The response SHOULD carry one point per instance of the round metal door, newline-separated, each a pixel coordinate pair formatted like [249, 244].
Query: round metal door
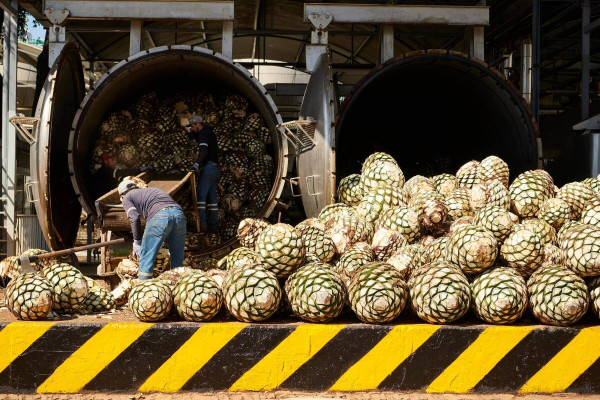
[316, 164]
[56, 203]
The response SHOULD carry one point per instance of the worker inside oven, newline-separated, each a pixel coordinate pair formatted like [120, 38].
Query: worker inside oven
[107, 177]
[165, 222]
[210, 173]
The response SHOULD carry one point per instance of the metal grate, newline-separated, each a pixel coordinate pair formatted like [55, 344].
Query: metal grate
[25, 126]
[29, 234]
[300, 133]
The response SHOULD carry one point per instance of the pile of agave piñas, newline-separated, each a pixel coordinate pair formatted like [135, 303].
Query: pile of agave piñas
[151, 132]
[53, 287]
[438, 245]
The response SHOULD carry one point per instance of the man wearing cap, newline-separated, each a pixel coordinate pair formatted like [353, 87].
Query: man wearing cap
[206, 191]
[107, 177]
[165, 222]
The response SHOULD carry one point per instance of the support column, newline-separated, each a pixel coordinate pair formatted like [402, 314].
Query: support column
[319, 40]
[9, 135]
[585, 61]
[526, 62]
[585, 85]
[535, 78]
[478, 46]
[227, 46]
[507, 64]
[387, 42]
[478, 43]
[56, 33]
[57, 40]
[135, 37]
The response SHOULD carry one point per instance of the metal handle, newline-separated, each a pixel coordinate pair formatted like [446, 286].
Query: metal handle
[294, 182]
[312, 177]
[80, 248]
[112, 205]
[29, 192]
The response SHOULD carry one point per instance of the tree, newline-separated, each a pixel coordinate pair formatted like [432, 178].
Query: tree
[22, 23]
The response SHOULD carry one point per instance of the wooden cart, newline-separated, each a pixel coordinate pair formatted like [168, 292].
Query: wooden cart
[115, 224]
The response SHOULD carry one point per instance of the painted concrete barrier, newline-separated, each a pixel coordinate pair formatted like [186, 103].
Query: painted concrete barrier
[48, 357]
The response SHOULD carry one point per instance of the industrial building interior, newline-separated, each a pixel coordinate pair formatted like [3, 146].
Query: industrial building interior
[416, 111]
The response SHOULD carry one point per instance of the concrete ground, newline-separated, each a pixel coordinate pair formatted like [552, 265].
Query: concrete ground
[294, 395]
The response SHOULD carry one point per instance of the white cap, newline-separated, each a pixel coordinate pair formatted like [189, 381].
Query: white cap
[195, 119]
[126, 185]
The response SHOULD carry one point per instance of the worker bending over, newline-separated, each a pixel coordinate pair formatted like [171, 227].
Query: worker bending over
[206, 191]
[164, 222]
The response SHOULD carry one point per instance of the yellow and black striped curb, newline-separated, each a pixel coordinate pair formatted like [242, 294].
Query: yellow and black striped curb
[48, 357]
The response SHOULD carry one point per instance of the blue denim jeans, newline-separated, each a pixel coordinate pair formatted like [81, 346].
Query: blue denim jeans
[206, 193]
[167, 225]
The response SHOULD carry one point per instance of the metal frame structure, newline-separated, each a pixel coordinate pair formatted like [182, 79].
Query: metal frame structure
[352, 46]
[58, 11]
[322, 15]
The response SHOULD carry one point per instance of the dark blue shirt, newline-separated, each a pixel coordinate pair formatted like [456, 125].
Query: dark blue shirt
[207, 140]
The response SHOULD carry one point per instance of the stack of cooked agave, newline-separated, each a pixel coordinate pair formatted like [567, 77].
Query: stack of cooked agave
[440, 245]
[151, 131]
[53, 287]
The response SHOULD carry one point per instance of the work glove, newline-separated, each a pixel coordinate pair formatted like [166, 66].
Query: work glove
[146, 168]
[137, 248]
[195, 167]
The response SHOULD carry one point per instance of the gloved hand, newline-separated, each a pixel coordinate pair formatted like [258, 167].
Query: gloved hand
[146, 168]
[137, 248]
[195, 166]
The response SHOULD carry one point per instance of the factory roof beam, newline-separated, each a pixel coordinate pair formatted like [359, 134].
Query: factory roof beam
[136, 11]
[401, 14]
[153, 10]
[386, 15]
[7, 6]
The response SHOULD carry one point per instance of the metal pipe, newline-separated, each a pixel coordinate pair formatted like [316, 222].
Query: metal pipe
[507, 64]
[535, 81]
[585, 85]
[526, 60]
[585, 61]
[9, 134]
